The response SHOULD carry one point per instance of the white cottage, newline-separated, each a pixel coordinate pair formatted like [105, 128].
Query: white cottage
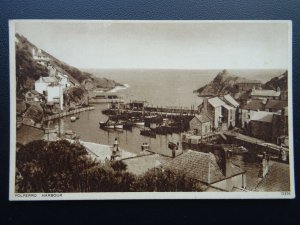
[55, 94]
[42, 84]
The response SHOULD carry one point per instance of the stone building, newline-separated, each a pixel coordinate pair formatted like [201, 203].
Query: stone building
[222, 114]
[201, 124]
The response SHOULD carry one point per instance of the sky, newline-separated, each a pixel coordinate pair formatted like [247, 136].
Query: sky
[162, 44]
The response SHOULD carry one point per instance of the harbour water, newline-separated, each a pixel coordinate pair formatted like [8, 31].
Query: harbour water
[169, 89]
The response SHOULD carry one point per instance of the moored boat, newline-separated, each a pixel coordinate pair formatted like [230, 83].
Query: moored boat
[119, 126]
[139, 123]
[148, 132]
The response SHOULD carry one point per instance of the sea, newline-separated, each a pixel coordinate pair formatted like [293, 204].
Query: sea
[158, 88]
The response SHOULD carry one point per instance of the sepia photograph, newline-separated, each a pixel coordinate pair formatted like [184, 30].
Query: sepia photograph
[119, 109]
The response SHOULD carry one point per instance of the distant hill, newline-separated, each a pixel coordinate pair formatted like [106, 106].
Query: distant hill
[224, 83]
[28, 70]
[279, 81]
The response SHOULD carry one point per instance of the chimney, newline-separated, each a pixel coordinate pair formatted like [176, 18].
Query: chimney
[223, 161]
[205, 105]
[228, 166]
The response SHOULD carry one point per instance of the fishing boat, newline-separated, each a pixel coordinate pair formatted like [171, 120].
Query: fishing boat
[127, 125]
[108, 124]
[148, 132]
[102, 124]
[139, 124]
[119, 125]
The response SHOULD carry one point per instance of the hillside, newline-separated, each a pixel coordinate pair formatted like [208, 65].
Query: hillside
[222, 84]
[280, 81]
[28, 70]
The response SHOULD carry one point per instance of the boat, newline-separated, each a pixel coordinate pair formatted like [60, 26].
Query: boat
[73, 118]
[163, 130]
[139, 124]
[70, 134]
[108, 124]
[145, 146]
[148, 132]
[119, 125]
[127, 125]
[172, 145]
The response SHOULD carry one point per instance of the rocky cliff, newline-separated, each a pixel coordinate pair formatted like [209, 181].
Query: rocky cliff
[278, 82]
[222, 84]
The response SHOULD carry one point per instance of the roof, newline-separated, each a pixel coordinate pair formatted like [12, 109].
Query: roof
[276, 104]
[277, 179]
[231, 100]
[263, 116]
[254, 104]
[199, 166]
[270, 93]
[47, 79]
[34, 92]
[216, 102]
[228, 107]
[246, 81]
[203, 118]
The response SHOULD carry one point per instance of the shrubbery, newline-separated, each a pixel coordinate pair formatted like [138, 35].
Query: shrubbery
[64, 167]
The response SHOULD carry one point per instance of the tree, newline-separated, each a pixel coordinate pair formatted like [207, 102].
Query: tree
[61, 166]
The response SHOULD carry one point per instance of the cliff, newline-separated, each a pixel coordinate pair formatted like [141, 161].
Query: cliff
[277, 82]
[28, 70]
[222, 84]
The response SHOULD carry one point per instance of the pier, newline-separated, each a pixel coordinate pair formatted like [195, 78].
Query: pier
[63, 114]
[163, 111]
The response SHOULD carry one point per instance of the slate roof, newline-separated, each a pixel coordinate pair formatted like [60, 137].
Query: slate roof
[276, 104]
[231, 100]
[203, 118]
[200, 166]
[262, 93]
[254, 104]
[263, 116]
[216, 102]
[277, 179]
